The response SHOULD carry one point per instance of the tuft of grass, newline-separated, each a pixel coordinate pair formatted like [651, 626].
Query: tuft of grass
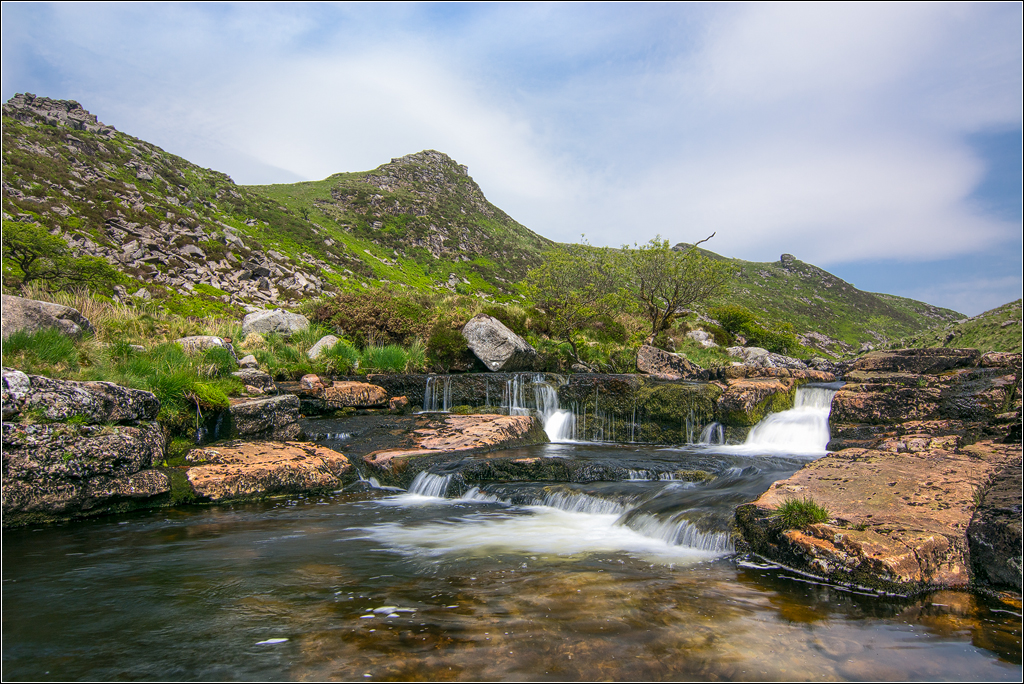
[47, 349]
[384, 359]
[798, 513]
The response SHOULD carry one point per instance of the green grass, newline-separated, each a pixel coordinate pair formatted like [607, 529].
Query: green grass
[799, 513]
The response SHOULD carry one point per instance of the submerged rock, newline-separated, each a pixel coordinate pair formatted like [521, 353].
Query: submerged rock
[29, 315]
[496, 346]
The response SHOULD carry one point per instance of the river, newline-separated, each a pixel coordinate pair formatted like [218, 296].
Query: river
[634, 579]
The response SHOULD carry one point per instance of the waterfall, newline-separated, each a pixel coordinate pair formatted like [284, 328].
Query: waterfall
[428, 484]
[803, 429]
[559, 424]
[712, 434]
[680, 532]
[434, 400]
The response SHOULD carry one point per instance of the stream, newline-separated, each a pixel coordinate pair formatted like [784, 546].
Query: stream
[627, 579]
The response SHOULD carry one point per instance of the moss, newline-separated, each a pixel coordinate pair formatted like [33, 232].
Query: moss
[181, 489]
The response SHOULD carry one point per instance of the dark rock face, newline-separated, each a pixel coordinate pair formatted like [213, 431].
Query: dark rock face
[32, 316]
[666, 365]
[496, 346]
[89, 402]
[994, 536]
[275, 418]
[57, 472]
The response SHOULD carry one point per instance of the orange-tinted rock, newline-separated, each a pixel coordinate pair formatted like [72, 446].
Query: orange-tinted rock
[250, 470]
[928, 360]
[356, 394]
[466, 434]
[398, 403]
[898, 518]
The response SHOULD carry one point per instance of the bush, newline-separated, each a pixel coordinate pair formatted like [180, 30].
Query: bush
[798, 513]
[446, 347]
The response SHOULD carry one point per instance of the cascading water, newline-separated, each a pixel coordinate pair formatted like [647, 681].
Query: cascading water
[435, 401]
[801, 430]
[712, 434]
[559, 424]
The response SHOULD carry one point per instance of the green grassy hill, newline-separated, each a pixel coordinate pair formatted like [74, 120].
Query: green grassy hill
[200, 245]
[996, 330]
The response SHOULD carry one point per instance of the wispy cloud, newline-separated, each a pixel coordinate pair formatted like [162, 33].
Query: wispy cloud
[835, 132]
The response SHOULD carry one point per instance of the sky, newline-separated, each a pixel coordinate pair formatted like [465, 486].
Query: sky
[879, 141]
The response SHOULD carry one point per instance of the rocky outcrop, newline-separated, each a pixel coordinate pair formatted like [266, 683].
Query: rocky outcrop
[255, 470]
[275, 418]
[274, 321]
[496, 346]
[762, 358]
[746, 401]
[67, 113]
[41, 398]
[666, 365]
[917, 361]
[101, 460]
[318, 397]
[29, 315]
[897, 520]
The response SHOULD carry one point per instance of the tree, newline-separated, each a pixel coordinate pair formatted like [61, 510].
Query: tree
[575, 285]
[662, 282]
[30, 254]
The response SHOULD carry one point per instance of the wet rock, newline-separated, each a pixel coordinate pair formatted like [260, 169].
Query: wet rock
[458, 434]
[60, 471]
[274, 321]
[253, 470]
[496, 346]
[746, 401]
[275, 418]
[666, 365]
[29, 315]
[898, 519]
[994, 535]
[322, 345]
[87, 402]
[398, 403]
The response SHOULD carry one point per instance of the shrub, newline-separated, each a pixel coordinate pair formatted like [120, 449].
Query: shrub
[446, 347]
[797, 513]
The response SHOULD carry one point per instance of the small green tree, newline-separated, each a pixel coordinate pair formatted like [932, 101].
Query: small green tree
[575, 285]
[661, 282]
[30, 254]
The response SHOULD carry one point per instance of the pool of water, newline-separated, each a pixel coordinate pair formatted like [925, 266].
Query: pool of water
[634, 579]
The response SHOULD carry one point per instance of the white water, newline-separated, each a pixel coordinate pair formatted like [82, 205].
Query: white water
[434, 400]
[712, 434]
[801, 430]
[559, 424]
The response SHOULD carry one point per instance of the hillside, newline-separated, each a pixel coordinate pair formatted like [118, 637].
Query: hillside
[192, 240]
[828, 313]
[998, 329]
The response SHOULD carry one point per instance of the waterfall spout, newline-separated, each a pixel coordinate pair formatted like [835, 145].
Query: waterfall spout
[801, 430]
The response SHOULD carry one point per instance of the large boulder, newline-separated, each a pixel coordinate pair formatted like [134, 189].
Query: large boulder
[197, 344]
[28, 315]
[322, 345]
[86, 402]
[496, 346]
[274, 321]
[666, 365]
[252, 470]
[60, 471]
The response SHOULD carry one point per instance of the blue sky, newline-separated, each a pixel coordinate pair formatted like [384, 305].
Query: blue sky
[879, 141]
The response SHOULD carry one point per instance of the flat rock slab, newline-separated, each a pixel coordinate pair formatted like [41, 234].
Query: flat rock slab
[462, 434]
[253, 470]
[898, 517]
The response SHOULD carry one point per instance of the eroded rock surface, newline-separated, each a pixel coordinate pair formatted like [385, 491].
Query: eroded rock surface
[88, 402]
[29, 315]
[253, 470]
[898, 520]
